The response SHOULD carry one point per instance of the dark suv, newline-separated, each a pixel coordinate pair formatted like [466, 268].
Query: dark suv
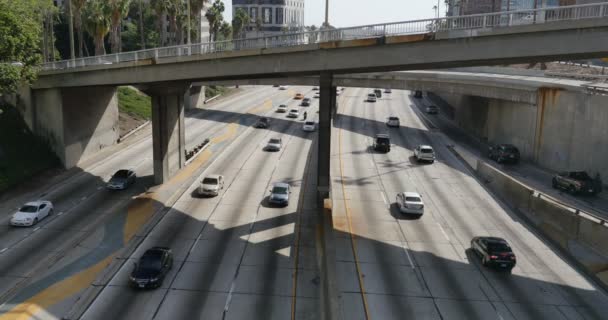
[263, 123]
[504, 153]
[382, 143]
[575, 182]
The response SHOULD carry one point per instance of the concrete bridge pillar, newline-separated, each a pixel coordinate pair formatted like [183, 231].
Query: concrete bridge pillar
[168, 130]
[194, 97]
[327, 104]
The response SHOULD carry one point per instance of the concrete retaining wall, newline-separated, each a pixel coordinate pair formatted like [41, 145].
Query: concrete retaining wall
[583, 239]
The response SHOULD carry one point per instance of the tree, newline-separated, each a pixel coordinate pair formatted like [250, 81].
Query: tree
[97, 16]
[77, 6]
[20, 40]
[160, 8]
[226, 31]
[119, 10]
[240, 20]
[173, 10]
[195, 11]
[215, 17]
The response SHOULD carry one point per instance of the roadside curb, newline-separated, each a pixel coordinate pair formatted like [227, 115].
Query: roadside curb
[130, 133]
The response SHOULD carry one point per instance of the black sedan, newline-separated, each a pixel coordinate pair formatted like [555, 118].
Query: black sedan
[263, 123]
[152, 268]
[121, 180]
[494, 252]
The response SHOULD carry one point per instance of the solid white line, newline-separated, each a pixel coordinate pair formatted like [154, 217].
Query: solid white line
[83, 198]
[443, 231]
[227, 305]
[36, 229]
[60, 213]
[409, 258]
[371, 162]
[383, 197]
[3, 250]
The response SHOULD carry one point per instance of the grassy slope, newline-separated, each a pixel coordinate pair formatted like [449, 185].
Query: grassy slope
[22, 154]
[134, 103]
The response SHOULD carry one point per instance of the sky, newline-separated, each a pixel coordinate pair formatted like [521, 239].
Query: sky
[347, 13]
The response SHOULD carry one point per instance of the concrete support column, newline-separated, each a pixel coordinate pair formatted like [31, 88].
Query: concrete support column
[194, 97]
[326, 106]
[168, 131]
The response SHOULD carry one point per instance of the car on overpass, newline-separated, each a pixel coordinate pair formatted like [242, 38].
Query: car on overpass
[298, 96]
[152, 268]
[371, 97]
[262, 123]
[121, 180]
[432, 110]
[424, 153]
[274, 144]
[279, 194]
[31, 213]
[211, 185]
[393, 121]
[575, 182]
[494, 252]
[410, 203]
[282, 108]
[382, 142]
[503, 153]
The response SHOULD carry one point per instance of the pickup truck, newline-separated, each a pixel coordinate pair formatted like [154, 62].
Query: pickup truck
[575, 182]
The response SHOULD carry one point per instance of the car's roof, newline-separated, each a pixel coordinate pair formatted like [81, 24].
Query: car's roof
[213, 176]
[36, 203]
[425, 146]
[412, 194]
[280, 185]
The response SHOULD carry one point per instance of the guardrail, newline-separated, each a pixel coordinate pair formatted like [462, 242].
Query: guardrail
[469, 22]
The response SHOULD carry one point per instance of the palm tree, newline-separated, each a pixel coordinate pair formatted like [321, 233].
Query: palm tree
[119, 9]
[215, 18]
[195, 11]
[97, 16]
[226, 30]
[160, 7]
[77, 6]
[239, 22]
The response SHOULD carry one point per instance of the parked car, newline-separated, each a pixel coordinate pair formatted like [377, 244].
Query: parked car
[274, 144]
[418, 94]
[293, 113]
[432, 110]
[152, 268]
[503, 153]
[211, 185]
[279, 194]
[121, 180]
[298, 96]
[309, 126]
[424, 153]
[31, 213]
[262, 123]
[382, 142]
[378, 93]
[371, 97]
[393, 121]
[410, 202]
[305, 102]
[494, 252]
[282, 108]
[575, 182]
[388, 90]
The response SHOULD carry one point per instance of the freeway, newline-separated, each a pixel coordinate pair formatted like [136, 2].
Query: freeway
[89, 220]
[391, 266]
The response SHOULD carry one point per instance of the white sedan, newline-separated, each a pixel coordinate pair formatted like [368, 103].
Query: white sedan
[293, 113]
[410, 202]
[309, 126]
[31, 213]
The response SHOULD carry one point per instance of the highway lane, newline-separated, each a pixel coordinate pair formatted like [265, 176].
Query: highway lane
[422, 268]
[30, 254]
[234, 256]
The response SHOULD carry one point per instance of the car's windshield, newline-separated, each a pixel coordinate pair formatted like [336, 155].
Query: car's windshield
[28, 209]
[120, 174]
[413, 199]
[426, 150]
[498, 247]
[382, 140]
[210, 181]
[372, 95]
[274, 141]
[150, 263]
[279, 190]
[508, 149]
[308, 123]
[580, 175]
[393, 118]
[293, 110]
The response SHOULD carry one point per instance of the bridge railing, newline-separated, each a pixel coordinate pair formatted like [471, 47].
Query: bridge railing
[503, 19]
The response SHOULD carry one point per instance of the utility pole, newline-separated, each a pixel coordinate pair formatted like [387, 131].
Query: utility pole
[68, 4]
[326, 13]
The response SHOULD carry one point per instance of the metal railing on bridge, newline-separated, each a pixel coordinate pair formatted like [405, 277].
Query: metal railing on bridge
[503, 19]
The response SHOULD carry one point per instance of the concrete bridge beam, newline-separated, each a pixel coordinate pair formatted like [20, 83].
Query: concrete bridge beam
[168, 130]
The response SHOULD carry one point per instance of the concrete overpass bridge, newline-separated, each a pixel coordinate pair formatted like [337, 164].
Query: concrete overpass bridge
[166, 73]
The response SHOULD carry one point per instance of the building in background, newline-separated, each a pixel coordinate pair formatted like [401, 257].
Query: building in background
[467, 7]
[270, 17]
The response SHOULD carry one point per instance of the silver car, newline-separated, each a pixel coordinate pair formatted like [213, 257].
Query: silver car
[279, 194]
[211, 185]
[410, 202]
[274, 144]
[424, 153]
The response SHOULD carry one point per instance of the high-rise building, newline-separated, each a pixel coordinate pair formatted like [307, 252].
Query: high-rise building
[268, 17]
[467, 7]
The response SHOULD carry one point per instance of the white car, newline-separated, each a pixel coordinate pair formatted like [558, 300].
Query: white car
[283, 87]
[274, 144]
[282, 109]
[424, 153]
[316, 96]
[309, 126]
[31, 213]
[371, 97]
[393, 121]
[293, 113]
[410, 202]
[211, 185]
[338, 92]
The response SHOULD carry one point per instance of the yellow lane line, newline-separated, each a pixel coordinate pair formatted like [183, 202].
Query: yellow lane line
[267, 105]
[350, 229]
